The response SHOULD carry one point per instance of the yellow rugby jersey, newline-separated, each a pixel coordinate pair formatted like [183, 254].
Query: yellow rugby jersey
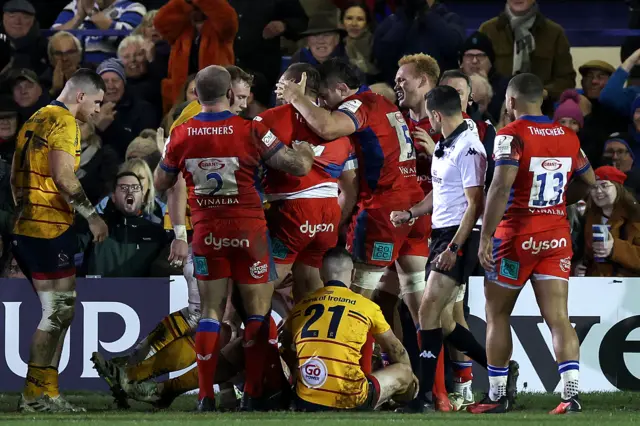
[329, 329]
[42, 211]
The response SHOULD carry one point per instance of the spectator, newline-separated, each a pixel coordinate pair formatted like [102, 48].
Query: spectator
[28, 93]
[257, 44]
[201, 33]
[542, 46]
[147, 30]
[482, 93]
[141, 81]
[323, 41]
[65, 55]
[20, 25]
[141, 147]
[359, 40]
[614, 94]
[477, 57]
[610, 203]
[8, 131]
[618, 151]
[134, 242]
[379, 9]
[156, 49]
[568, 112]
[420, 26]
[6, 51]
[98, 164]
[595, 75]
[100, 15]
[123, 116]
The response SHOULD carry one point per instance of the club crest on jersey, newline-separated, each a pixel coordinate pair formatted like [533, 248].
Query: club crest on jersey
[314, 373]
[352, 106]
[509, 269]
[382, 252]
[565, 264]
[269, 138]
[258, 269]
[200, 265]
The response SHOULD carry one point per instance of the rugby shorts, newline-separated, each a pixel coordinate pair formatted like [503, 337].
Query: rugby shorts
[239, 249]
[467, 255]
[46, 258]
[369, 404]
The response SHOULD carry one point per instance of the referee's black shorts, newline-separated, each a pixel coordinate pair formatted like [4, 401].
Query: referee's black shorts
[468, 254]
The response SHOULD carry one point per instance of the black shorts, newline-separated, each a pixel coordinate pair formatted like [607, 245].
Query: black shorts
[373, 395]
[46, 258]
[465, 263]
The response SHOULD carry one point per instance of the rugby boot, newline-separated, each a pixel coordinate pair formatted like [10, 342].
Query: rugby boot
[568, 406]
[206, 405]
[488, 406]
[61, 405]
[417, 406]
[38, 405]
[512, 381]
[462, 396]
[112, 374]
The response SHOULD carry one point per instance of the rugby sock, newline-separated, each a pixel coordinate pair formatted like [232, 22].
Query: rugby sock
[439, 388]
[430, 347]
[255, 345]
[39, 381]
[175, 356]
[367, 355]
[497, 382]
[462, 371]
[570, 375]
[273, 370]
[179, 385]
[463, 340]
[207, 351]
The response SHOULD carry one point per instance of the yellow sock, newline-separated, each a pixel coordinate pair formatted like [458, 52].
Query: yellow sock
[41, 380]
[185, 383]
[170, 328]
[179, 354]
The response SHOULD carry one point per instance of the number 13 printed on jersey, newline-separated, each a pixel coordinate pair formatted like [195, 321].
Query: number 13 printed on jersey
[549, 181]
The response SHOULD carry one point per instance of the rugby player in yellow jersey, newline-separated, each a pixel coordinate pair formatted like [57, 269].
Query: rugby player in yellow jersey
[46, 192]
[323, 339]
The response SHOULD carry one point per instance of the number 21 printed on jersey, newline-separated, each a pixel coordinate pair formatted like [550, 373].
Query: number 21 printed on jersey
[549, 181]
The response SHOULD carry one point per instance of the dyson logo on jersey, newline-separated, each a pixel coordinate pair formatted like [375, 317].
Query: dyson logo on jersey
[219, 243]
[312, 230]
[556, 131]
[537, 246]
[551, 164]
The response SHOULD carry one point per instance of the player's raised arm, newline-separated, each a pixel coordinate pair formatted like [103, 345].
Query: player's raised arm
[327, 124]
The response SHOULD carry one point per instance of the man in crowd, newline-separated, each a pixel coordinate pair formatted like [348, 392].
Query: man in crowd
[28, 92]
[534, 181]
[65, 55]
[233, 245]
[20, 25]
[47, 191]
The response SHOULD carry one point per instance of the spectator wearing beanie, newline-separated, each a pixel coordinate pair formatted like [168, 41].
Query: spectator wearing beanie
[618, 152]
[122, 116]
[568, 112]
[477, 57]
[610, 203]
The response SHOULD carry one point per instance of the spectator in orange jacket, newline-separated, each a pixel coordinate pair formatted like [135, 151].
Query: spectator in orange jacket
[201, 33]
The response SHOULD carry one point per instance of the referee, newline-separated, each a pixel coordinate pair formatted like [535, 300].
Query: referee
[458, 175]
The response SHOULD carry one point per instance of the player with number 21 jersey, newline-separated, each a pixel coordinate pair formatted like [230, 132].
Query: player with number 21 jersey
[533, 238]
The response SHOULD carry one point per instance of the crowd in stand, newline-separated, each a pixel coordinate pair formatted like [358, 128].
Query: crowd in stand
[151, 70]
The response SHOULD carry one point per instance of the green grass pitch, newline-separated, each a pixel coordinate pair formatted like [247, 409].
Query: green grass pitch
[621, 408]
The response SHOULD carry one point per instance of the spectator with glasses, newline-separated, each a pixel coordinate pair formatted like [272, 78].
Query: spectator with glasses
[609, 203]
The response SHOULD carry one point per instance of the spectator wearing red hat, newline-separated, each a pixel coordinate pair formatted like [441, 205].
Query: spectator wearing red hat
[568, 112]
[609, 203]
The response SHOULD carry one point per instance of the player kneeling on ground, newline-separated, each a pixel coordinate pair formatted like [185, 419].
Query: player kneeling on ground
[323, 339]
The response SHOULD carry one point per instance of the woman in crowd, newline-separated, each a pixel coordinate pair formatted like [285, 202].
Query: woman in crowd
[610, 204]
[357, 21]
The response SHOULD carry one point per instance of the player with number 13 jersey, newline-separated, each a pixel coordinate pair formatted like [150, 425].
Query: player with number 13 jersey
[534, 235]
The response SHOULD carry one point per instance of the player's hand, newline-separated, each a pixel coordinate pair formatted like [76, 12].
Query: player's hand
[580, 270]
[424, 140]
[303, 147]
[485, 255]
[289, 91]
[603, 249]
[273, 29]
[98, 228]
[399, 217]
[106, 116]
[178, 253]
[446, 260]
[160, 141]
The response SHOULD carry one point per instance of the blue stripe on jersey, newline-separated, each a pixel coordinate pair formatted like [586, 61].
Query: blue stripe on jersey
[540, 119]
[213, 116]
[352, 116]
[334, 170]
[172, 170]
[362, 89]
[373, 156]
[65, 16]
[583, 170]
[359, 251]
[507, 162]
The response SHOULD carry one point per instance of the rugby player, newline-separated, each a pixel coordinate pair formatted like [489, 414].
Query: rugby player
[458, 170]
[219, 154]
[323, 339]
[387, 169]
[46, 192]
[535, 161]
[305, 216]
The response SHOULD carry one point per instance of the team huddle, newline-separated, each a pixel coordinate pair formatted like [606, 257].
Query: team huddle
[332, 209]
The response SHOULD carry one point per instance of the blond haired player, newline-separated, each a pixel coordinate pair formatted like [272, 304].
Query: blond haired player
[47, 192]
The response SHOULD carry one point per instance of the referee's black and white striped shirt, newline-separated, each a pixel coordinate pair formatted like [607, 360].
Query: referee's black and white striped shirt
[462, 165]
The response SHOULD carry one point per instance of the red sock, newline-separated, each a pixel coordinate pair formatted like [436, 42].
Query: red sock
[207, 351]
[255, 349]
[367, 354]
[273, 370]
[439, 387]
[462, 371]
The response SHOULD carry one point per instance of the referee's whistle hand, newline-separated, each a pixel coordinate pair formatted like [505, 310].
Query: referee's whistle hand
[399, 218]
